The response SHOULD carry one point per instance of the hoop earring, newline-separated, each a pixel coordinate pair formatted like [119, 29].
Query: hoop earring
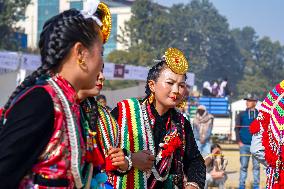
[151, 98]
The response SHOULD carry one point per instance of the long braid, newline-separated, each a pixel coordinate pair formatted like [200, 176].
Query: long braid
[59, 35]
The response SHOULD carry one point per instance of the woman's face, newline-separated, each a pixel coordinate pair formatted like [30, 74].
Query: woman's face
[169, 89]
[94, 63]
[94, 91]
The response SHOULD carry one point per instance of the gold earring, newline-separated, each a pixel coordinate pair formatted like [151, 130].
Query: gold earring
[182, 104]
[81, 62]
[151, 98]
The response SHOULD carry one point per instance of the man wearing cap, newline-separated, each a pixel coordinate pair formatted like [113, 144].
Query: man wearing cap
[243, 137]
[202, 129]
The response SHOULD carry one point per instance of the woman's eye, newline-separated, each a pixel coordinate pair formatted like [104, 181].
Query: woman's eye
[170, 83]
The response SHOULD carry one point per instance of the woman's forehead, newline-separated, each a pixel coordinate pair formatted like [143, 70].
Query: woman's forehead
[168, 74]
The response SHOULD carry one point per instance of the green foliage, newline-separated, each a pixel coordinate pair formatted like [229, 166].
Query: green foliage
[135, 56]
[11, 11]
[263, 61]
[214, 51]
[196, 28]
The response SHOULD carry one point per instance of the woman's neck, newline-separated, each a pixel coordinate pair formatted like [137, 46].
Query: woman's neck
[75, 83]
[160, 108]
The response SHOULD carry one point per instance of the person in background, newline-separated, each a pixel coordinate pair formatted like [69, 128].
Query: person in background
[206, 90]
[202, 129]
[215, 168]
[103, 101]
[215, 89]
[244, 137]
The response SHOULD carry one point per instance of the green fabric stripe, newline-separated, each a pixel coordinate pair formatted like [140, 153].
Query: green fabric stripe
[279, 110]
[270, 97]
[139, 125]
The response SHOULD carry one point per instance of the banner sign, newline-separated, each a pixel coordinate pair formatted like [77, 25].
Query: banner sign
[30, 62]
[9, 60]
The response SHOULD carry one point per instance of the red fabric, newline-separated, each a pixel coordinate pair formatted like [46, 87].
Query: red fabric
[264, 120]
[97, 157]
[109, 166]
[280, 183]
[169, 148]
[270, 155]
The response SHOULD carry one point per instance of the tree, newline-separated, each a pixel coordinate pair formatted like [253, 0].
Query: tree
[11, 11]
[263, 61]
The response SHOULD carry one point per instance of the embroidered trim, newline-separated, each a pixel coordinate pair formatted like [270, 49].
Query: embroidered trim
[72, 134]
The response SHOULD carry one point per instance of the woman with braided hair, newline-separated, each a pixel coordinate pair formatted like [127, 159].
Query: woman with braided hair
[158, 138]
[42, 143]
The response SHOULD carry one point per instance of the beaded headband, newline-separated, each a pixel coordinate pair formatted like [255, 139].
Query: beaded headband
[176, 61]
[105, 23]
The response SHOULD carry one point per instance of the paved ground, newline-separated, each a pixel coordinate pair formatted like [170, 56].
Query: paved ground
[231, 152]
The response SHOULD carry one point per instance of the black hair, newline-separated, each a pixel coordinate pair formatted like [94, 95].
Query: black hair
[101, 97]
[154, 74]
[215, 146]
[58, 36]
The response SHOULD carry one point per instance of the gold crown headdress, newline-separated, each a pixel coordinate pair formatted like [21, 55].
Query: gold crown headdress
[105, 22]
[176, 61]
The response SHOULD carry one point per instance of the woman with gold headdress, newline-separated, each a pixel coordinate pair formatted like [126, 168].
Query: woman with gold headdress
[158, 138]
[43, 143]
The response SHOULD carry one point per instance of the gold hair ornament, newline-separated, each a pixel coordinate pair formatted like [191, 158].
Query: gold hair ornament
[106, 20]
[105, 23]
[176, 61]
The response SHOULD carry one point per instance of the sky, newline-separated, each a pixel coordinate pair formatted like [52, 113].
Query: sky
[265, 16]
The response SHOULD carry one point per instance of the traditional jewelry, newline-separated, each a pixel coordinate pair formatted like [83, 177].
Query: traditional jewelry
[176, 61]
[151, 98]
[128, 158]
[81, 62]
[105, 23]
[182, 104]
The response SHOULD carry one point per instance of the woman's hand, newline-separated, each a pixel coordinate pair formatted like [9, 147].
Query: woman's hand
[143, 160]
[217, 174]
[117, 158]
[193, 185]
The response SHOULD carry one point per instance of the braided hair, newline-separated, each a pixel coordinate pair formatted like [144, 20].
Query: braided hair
[154, 73]
[59, 35]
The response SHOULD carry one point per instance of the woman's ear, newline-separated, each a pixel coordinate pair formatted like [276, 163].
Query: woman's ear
[151, 85]
[79, 50]
[80, 53]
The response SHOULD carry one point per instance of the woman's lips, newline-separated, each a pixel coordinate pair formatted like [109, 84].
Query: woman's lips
[99, 86]
[174, 98]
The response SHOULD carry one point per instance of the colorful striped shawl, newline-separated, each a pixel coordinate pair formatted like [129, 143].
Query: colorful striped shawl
[130, 120]
[135, 136]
